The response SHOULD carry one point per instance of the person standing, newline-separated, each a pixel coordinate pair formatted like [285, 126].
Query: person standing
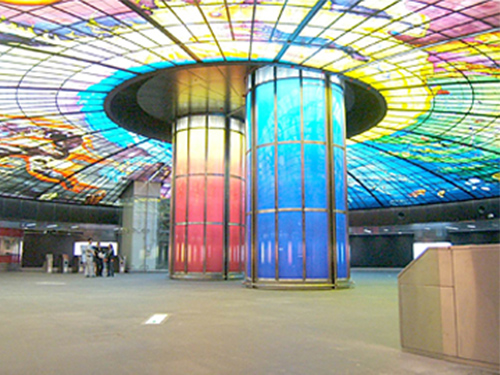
[99, 259]
[89, 260]
[109, 260]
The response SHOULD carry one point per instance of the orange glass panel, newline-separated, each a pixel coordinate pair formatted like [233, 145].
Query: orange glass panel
[195, 246]
[181, 150]
[179, 248]
[196, 199]
[235, 249]
[235, 201]
[215, 199]
[214, 248]
[180, 199]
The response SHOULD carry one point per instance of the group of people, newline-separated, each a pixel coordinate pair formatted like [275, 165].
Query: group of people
[96, 257]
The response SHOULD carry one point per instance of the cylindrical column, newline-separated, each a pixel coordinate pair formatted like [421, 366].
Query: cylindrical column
[296, 176]
[207, 232]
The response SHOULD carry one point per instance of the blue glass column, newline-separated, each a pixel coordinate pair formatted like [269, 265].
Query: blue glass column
[296, 173]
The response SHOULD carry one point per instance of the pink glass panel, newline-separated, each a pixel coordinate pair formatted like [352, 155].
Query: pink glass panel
[195, 248]
[197, 151]
[236, 154]
[180, 199]
[196, 198]
[214, 248]
[179, 248]
[181, 149]
[215, 161]
[235, 202]
[235, 249]
[215, 199]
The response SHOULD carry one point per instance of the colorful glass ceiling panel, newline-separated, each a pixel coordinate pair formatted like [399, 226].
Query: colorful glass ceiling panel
[436, 63]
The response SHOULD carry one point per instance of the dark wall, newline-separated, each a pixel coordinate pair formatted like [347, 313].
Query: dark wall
[19, 209]
[475, 238]
[381, 251]
[478, 209]
[36, 246]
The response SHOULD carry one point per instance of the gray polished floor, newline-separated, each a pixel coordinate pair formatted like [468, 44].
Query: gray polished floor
[67, 324]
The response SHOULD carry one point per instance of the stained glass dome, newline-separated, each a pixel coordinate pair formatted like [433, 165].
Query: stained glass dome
[435, 63]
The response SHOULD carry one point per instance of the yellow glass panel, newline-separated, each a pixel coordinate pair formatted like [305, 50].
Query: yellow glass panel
[197, 151]
[236, 157]
[215, 161]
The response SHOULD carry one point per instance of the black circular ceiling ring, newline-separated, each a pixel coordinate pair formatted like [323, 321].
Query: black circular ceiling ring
[150, 103]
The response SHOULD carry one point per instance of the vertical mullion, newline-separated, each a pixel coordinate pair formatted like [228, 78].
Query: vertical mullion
[173, 197]
[332, 257]
[205, 198]
[227, 196]
[243, 216]
[188, 169]
[276, 189]
[344, 147]
[254, 187]
[303, 175]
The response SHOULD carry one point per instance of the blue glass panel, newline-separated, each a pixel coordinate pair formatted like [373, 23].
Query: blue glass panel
[289, 176]
[266, 259]
[342, 256]
[317, 245]
[265, 178]
[264, 101]
[290, 245]
[314, 109]
[249, 182]
[288, 109]
[249, 120]
[338, 116]
[249, 246]
[315, 176]
[340, 192]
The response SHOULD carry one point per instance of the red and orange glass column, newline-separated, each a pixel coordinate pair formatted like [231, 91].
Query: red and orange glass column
[208, 224]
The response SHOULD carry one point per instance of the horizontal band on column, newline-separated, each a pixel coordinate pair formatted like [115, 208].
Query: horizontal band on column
[205, 276]
[339, 146]
[201, 174]
[283, 285]
[210, 175]
[308, 280]
[297, 142]
[272, 210]
[314, 76]
[208, 223]
[232, 130]
[294, 142]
